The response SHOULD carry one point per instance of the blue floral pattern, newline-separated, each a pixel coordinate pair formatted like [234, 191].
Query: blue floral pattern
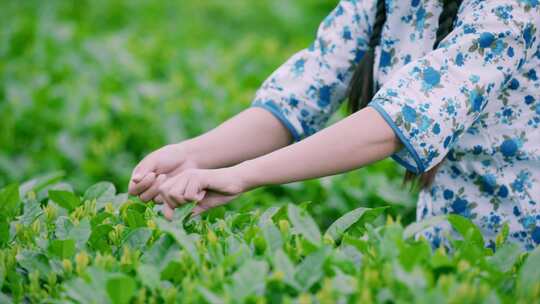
[471, 106]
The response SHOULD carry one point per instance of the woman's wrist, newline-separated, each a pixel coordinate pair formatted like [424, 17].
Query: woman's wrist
[191, 153]
[247, 175]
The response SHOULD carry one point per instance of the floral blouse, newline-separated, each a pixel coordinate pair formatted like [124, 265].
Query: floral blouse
[473, 103]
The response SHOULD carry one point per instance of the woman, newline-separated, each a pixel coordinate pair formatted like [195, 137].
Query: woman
[457, 103]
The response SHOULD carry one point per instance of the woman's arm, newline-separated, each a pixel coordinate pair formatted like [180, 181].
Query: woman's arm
[353, 142]
[249, 134]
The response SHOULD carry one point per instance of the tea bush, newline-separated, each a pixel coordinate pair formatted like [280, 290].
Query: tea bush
[102, 247]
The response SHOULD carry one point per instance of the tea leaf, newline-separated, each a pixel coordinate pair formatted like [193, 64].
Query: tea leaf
[65, 199]
[102, 192]
[9, 201]
[304, 224]
[249, 279]
[416, 227]
[356, 217]
[529, 275]
[467, 229]
[120, 288]
[62, 249]
[311, 269]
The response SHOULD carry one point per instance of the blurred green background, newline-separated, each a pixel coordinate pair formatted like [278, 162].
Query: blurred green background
[89, 87]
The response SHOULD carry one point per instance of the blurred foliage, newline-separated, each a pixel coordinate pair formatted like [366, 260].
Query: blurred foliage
[90, 87]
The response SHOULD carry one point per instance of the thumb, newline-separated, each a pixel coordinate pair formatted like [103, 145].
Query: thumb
[142, 169]
[168, 212]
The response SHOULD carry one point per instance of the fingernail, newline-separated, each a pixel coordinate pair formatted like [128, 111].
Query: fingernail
[200, 196]
[137, 177]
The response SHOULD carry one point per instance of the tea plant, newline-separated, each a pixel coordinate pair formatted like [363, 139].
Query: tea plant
[103, 247]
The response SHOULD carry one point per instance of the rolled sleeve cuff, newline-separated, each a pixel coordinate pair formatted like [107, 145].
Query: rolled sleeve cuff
[272, 107]
[408, 157]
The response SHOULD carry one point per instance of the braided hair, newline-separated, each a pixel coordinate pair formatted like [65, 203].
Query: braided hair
[361, 86]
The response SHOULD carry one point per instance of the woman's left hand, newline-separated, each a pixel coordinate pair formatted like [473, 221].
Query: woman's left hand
[210, 188]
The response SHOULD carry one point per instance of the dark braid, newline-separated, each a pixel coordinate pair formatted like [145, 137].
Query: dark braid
[360, 91]
[446, 20]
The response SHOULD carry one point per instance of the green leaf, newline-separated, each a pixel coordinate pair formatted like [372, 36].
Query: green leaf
[272, 236]
[102, 192]
[467, 229]
[138, 237]
[529, 274]
[99, 237]
[161, 251]
[209, 296]
[100, 218]
[82, 292]
[414, 253]
[368, 217]
[120, 288]
[149, 275]
[40, 182]
[268, 214]
[80, 233]
[414, 280]
[65, 199]
[343, 283]
[182, 212]
[419, 226]
[4, 232]
[32, 261]
[310, 270]
[62, 249]
[181, 238]
[89, 290]
[352, 218]
[249, 279]
[3, 272]
[31, 211]
[505, 257]
[304, 224]
[9, 201]
[134, 219]
[63, 227]
[283, 263]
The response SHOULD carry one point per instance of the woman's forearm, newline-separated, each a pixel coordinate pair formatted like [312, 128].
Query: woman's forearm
[251, 133]
[355, 141]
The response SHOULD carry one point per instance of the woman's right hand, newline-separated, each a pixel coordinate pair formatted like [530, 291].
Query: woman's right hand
[152, 171]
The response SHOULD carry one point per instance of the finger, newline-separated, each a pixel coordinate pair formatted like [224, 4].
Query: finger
[168, 212]
[143, 185]
[200, 196]
[193, 191]
[159, 199]
[168, 200]
[146, 166]
[153, 191]
[131, 185]
[177, 193]
[165, 189]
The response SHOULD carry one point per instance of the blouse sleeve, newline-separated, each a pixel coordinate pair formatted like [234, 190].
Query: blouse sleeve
[432, 101]
[305, 91]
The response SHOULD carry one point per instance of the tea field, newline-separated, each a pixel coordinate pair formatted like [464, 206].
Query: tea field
[88, 88]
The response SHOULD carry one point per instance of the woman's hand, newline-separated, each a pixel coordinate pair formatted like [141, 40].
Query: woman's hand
[153, 170]
[210, 188]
